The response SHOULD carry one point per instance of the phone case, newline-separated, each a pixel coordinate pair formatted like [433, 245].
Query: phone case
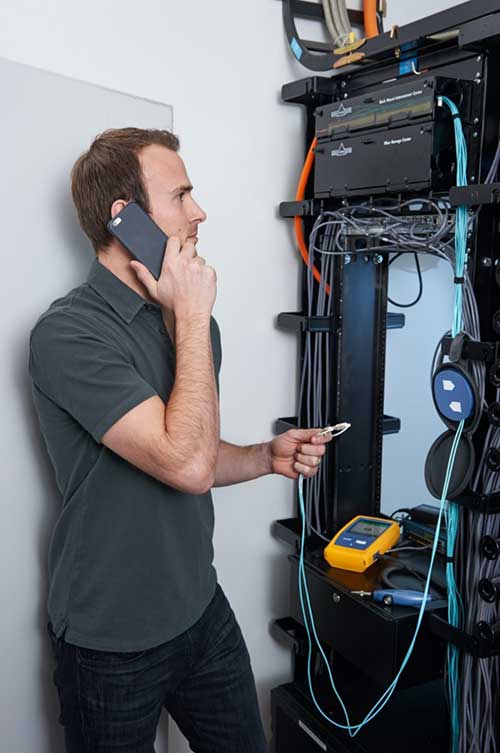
[140, 235]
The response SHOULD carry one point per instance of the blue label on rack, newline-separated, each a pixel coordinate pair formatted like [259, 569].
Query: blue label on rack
[408, 65]
[296, 48]
[405, 66]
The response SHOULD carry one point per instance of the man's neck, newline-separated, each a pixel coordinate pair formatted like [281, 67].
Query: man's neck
[117, 260]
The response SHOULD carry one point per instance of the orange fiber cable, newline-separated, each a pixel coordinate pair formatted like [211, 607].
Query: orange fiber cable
[299, 230]
[370, 18]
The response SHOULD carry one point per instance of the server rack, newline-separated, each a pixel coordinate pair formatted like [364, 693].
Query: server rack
[366, 641]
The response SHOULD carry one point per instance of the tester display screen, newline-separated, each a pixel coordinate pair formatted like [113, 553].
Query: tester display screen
[368, 528]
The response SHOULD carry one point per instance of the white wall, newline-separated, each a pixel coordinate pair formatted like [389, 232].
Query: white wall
[221, 66]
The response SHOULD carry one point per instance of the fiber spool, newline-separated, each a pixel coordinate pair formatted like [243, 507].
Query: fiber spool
[437, 462]
[456, 397]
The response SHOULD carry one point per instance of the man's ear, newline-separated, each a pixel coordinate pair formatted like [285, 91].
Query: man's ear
[117, 207]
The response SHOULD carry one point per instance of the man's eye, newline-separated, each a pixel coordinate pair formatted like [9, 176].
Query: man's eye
[181, 195]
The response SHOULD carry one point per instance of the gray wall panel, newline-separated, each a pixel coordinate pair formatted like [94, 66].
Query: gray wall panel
[47, 121]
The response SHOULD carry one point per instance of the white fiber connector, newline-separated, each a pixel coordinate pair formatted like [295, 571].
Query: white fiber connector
[335, 430]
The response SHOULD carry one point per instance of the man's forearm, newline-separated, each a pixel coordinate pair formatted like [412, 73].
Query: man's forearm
[236, 464]
[192, 411]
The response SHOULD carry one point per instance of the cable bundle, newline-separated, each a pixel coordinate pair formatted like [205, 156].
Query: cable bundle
[480, 685]
[397, 226]
[480, 716]
[474, 713]
[472, 683]
[314, 406]
[461, 216]
[455, 609]
[337, 21]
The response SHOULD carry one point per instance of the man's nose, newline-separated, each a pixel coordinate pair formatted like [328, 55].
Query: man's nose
[198, 214]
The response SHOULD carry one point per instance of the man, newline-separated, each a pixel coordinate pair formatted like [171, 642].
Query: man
[125, 382]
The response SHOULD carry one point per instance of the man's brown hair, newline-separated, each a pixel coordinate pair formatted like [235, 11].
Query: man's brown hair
[111, 170]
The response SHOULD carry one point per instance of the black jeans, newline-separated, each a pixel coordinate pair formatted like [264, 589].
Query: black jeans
[111, 701]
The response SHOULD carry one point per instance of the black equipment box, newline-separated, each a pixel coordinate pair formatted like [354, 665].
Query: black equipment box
[394, 139]
[393, 106]
[348, 622]
[423, 533]
[413, 720]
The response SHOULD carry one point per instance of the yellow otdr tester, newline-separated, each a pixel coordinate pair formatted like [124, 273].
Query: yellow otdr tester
[356, 545]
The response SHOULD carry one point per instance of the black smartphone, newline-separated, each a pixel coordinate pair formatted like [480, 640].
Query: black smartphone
[140, 235]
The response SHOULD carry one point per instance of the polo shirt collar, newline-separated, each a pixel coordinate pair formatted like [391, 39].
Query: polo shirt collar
[125, 301]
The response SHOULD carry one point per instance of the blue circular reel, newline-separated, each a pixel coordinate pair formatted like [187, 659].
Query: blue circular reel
[455, 397]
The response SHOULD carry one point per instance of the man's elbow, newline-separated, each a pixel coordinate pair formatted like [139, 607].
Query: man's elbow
[196, 479]
[201, 481]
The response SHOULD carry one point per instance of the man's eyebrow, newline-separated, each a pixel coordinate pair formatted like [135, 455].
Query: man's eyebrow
[181, 189]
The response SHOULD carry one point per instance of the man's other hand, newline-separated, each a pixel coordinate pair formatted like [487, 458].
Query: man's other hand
[298, 451]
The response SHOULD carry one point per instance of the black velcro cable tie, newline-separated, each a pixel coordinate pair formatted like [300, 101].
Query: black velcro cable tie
[457, 346]
[449, 560]
[459, 280]
[455, 115]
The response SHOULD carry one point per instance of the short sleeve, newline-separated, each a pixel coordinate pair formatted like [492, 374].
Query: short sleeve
[86, 375]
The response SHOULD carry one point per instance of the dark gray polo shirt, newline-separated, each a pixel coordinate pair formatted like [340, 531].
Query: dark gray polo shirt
[130, 559]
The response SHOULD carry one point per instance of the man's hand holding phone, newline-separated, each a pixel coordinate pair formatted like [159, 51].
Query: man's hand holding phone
[187, 285]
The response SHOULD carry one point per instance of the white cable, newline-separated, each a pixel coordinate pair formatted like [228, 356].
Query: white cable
[337, 20]
[344, 16]
[330, 23]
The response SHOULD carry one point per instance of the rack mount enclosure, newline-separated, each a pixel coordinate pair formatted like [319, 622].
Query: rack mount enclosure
[397, 138]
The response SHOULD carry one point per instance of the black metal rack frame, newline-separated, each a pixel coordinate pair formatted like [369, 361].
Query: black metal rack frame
[470, 51]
